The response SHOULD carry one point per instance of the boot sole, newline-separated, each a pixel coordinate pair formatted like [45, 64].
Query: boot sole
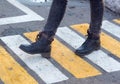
[83, 54]
[45, 54]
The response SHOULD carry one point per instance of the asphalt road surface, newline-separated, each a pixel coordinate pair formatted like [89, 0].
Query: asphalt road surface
[20, 21]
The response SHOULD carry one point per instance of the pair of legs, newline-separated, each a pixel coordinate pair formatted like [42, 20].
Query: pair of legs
[45, 38]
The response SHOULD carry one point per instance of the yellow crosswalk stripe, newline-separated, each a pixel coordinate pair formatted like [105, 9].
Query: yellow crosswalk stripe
[117, 21]
[107, 42]
[67, 59]
[11, 72]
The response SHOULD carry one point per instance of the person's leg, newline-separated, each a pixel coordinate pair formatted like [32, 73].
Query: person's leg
[56, 14]
[97, 8]
[93, 41]
[44, 38]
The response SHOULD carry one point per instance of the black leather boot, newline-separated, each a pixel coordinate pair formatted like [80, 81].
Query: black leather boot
[42, 44]
[91, 44]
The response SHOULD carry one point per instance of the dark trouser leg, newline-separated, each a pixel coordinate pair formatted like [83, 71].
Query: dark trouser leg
[56, 15]
[96, 16]
[44, 39]
[93, 41]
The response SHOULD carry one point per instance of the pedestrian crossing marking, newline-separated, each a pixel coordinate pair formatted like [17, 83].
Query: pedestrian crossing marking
[69, 61]
[117, 21]
[41, 66]
[98, 57]
[111, 28]
[11, 72]
[29, 16]
[66, 58]
[107, 42]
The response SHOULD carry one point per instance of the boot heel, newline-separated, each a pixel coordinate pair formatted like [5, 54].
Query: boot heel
[97, 48]
[46, 55]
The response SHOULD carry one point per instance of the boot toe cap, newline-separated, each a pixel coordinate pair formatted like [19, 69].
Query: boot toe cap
[24, 48]
[79, 52]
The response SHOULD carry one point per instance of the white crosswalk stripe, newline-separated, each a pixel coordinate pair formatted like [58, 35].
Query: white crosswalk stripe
[46, 70]
[99, 57]
[111, 28]
[29, 16]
